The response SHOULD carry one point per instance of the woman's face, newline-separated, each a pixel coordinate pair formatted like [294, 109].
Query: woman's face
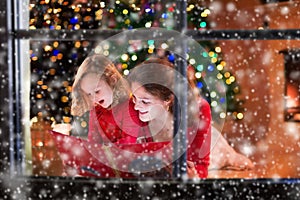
[98, 90]
[150, 107]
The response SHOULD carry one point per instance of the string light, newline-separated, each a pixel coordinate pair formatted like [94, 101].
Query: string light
[134, 57]
[121, 16]
[125, 57]
[240, 115]
[222, 115]
[218, 49]
[198, 75]
[125, 12]
[106, 52]
[192, 61]
[126, 72]
[220, 67]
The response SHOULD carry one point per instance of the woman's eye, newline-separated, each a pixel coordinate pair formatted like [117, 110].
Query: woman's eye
[146, 102]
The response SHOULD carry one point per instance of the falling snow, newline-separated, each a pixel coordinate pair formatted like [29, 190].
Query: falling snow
[268, 133]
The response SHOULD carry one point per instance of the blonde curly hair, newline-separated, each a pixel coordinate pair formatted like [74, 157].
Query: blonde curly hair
[105, 69]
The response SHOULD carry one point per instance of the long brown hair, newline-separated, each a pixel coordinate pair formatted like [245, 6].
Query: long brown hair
[157, 76]
[104, 68]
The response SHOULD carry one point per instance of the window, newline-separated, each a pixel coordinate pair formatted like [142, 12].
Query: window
[291, 59]
[49, 55]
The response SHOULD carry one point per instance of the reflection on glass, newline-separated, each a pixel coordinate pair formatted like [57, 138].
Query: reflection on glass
[251, 70]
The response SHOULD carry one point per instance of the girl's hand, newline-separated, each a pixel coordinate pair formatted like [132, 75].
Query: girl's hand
[62, 128]
[191, 170]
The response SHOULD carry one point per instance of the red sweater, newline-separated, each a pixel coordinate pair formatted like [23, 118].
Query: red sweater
[199, 140]
[199, 146]
[120, 124]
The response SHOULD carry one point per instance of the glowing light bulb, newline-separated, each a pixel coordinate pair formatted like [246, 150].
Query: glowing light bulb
[124, 57]
[240, 116]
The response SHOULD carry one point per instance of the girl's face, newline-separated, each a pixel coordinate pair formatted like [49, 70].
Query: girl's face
[98, 90]
[149, 106]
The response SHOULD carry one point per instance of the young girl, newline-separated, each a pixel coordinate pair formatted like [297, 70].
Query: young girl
[100, 89]
[152, 85]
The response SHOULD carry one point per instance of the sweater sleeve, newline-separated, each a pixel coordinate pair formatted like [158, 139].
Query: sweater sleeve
[199, 147]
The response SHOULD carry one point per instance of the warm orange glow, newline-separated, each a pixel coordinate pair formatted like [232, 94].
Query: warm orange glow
[292, 96]
[39, 144]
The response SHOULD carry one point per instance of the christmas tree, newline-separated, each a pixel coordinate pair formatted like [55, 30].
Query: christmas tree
[54, 66]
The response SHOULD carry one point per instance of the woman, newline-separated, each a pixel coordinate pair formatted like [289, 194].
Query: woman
[152, 85]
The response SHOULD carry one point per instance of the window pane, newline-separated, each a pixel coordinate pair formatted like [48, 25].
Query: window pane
[253, 72]
[52, 78]
[254, 113]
